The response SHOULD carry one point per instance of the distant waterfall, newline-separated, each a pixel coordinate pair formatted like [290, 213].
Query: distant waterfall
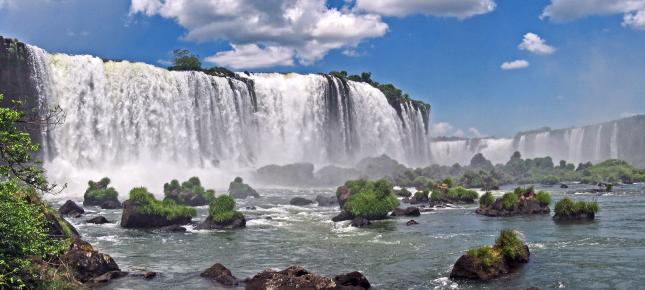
[144, 118]
[621, 139]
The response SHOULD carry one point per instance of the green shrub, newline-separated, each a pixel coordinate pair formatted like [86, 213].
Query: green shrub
[99, 191]
[437, 195]
[568, 207]
[486, 254]
[370, 199]
[24, 235]
[222, 209]
[192, 186]
[448, 182]
[486, 200]
[543, 197]
[461, 194]
[509, 200]
[148, 204]
[509, 243]
[404, 192]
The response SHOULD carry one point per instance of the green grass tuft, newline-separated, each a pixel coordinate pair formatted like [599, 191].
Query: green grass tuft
[486, 200]
[150, 205]
[509, 200]
[543, 197]
[568, 207]
[486, 254]
[510, 243]
[222, 208]
[370, 199]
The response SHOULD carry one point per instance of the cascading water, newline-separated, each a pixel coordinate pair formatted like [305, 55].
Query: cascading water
[143, 125]
[621, 139]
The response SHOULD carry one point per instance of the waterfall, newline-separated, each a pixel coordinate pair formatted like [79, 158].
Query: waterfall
[622, 139]
[144, 125]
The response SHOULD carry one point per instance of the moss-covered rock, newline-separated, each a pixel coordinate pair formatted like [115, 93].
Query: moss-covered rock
[371, 200]
[222, 215]
[239, 189]
[142, 210]
[488, 262]
[521, 201]
[99, 194]
[190, 192]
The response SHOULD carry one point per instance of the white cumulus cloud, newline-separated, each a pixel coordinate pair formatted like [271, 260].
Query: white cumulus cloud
[516, 64]
[305, 30]
[441, 129]
[564, 10]
[535, 44]
[443, 8]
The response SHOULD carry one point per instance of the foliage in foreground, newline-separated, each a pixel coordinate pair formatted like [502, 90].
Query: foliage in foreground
[148, 204]
[222, 209]
[568, 207]
[370, 199]
[24, 238]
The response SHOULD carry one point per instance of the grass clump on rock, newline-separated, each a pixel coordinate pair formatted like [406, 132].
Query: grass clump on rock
[99, 194]
[543, 197]
[190, 192]
[508, 200]
[567, 209]
[453, 195]
[148, 204]
[222, 209]
[486, 200]
[486, 254]
[370, 199]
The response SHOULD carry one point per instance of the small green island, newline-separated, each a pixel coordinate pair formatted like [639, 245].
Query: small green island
[567, 209]
[190, 192]
[99, 194]
[143, 210]
[522, 201]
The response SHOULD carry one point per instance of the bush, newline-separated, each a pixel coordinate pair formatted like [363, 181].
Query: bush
[222, 209]
[543, 197]
[370, 199]
[461, 194]
[437, 195]
[447, 182]
[486, 254]
[486, 200]
[193, 186]
[509, 200]
[99, 191]
[568, 207]
[404, 192]
[148, 204]
[509, 243]
[24, 235]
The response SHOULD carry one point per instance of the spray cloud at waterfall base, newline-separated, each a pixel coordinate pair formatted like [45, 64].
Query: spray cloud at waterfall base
[143, 125]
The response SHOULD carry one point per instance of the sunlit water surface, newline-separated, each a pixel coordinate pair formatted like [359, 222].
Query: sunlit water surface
[604, 254]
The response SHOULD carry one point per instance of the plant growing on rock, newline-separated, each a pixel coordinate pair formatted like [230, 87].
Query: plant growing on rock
[148, 204]
[98, 193]
[486, 254]
[508, 200]
[510, 243]
[190, 192]
[486, 200]
[569, 209]
[543, 197]
[222, 209]
[370, 199]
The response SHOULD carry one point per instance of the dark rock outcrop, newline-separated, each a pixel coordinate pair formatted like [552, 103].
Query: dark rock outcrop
[239, 189]
[326, 200]
[360, 222]
[210, 224]
[409, 211]
[470, 267]
[353, 281]
[220, 274]
[411, 223]
[342, 195]
[98, 220]
[71, 208]
[174, 229]
[575, 217]
[132, 217]
[89, 265]
[296, 277]
[299, 201]
[343, 216]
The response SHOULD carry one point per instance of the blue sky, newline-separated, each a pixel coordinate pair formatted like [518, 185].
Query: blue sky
[586, 66]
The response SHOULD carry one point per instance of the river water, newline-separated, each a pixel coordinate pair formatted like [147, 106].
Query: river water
[605, 254]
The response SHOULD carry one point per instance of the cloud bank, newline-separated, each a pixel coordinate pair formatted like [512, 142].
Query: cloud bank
[443, 8]
[566, 10]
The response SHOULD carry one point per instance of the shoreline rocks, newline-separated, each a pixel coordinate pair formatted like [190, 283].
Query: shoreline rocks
[221, 275]
[90, 266]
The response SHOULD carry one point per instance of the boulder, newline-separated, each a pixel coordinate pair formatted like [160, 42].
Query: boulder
[343, 216]
[239, 189]
[132, 217]
[360, 222]
[71, 208]
[299, 201]
[99, 194]
[220, 274]
[174, 229]
[89, 265]
[99, 220]
[470, 267]
[411, 223]
[326, 200]
[210, 224]
[524, 206]
[562, 185]
[294, 277]
[409, 211]
[353, 281]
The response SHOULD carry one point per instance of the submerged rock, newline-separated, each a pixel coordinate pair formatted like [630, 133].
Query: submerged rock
[89, 265]
[411, 223]
[326, 200]
[352, 281]
[299, 201]
[132, 217]
[409, 211]
[231, 224]
[71, 208]
[220, 274]
[98, 220]
[360, 222]
[343, 216]
[239, 189]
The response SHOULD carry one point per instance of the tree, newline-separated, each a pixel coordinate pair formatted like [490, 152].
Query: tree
[185, 60]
